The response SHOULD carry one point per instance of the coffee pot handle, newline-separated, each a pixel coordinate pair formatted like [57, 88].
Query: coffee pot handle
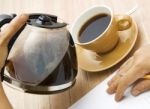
[8, 40]
[4, 19]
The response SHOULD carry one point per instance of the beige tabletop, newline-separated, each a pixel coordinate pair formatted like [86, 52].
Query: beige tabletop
[68, 10]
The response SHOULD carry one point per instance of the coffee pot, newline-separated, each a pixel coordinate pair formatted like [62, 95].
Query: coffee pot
[42, 55]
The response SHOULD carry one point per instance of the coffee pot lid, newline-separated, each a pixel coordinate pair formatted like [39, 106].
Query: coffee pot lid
[45, 21]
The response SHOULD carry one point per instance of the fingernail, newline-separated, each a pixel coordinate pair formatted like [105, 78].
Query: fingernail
[108, 83]
[135, 92]
[118, 98]
[107, 90]
[110, 91]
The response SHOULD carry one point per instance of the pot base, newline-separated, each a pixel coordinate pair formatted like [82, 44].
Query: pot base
[37, 89]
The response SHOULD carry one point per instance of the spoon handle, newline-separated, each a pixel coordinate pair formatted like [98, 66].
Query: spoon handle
[132, 10]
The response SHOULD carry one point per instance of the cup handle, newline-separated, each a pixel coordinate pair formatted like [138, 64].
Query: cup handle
[124, 22]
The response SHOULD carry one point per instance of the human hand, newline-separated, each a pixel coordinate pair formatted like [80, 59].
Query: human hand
[5, 37]
[132, 73]
[7, 34]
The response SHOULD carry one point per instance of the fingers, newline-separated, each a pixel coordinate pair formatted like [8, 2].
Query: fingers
[113, 80]
[132, 75]
[123, 69]
[3, 55]
[8, 33]
[113, 83]
[140, 87]
[131, 72]
[112, 88]
[12, 28]
[126, 66]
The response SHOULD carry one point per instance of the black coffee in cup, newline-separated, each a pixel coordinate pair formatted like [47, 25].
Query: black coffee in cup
[94, 27]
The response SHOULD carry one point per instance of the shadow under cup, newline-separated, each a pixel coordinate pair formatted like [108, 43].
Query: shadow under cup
[99, 22]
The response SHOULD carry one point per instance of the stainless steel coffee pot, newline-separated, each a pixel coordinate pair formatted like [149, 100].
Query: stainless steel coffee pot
[42, 56]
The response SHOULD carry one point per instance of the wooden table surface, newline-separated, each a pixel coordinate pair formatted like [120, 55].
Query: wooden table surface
[68, 10]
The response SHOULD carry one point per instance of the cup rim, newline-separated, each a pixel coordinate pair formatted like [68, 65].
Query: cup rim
[102, 34]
